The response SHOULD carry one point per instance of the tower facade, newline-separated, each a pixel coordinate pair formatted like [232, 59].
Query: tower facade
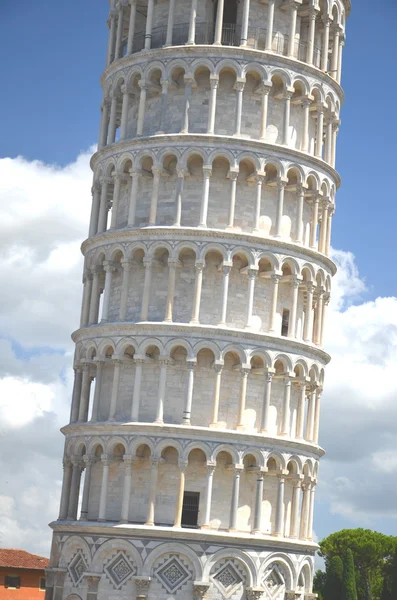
[191, 456]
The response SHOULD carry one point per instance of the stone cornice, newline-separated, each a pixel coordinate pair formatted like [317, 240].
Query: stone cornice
[235, 538]
[239, 144]
[202, 332]
[240, 439]
[221, 52]
[148, 234]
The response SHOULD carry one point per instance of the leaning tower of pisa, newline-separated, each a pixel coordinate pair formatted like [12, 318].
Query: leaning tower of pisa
[191, 456]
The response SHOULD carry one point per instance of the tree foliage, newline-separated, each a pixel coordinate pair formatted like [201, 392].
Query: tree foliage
[349, 577]
[320, 578]
[333, 580]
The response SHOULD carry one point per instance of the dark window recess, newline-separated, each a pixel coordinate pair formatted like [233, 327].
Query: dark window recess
[191, 501]
[285, 323]
[42, 583]
[12, 582]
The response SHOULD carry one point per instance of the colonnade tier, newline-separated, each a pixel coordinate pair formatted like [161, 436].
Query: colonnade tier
[213, 189]
[208, 96]
[270, 493]
[172, 383]
[308, 31]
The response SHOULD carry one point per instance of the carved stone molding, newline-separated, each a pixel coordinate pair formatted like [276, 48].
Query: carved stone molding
[255, 593]
[200, 590]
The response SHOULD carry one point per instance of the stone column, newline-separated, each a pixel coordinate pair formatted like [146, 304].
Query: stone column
[113, 117]
[191, 365]
[329, 139]
[192, 24]
[153, 491]
[294, 306]
[323, 226]
[172, 266]
[280, 207]
[142, 107]
[300, 417]
[325, 46]
[314, 221]
[104, 487]
[319, 315]
[273, 311]
[85, 393]
[178, 197]
[310, 415]
[217, 387]
[189, 83]
[265, 109]
[136, 395]
[219, 23]
[103, 210]
[317, 416]
[98, 387]
[128, 463]
[259, 182]
[131, 28]
[96, 203]
[112, 31]
[161, 391]
[258, 503]
[292, 29]
[197, 292]
[285, 427]
[295, 507]
[311, 513]
[66, 482]
[127, 268]
[308, 325]
[118, 180]
[118, 53]
[93, 584]
[95, 296]
[311, 35]
[270, 24]
[225, 293]
[49, 584]
[148, 264]
[326, 300]
[287, 115]
[339, 74]
[88, 461]
[59, 584]
[279, 532]
[306, 103]
[170, 24]
[149, 25]
[245, 23]
[214, 81]
[181, 492]
[245, 371]
[299, 217]
[235, 497]
[124, 112]
[266, 402]
[74, 489]
[77, 385]
[320, 131]
[335, 53]
[207, 172]
[252, 274]
[103, 134]
[135, 173]
[118, 363]
[304, 511]
[335, 131]
[239, 87]
[208, 498]
[233, 174]
[109, 270]
[329, 228]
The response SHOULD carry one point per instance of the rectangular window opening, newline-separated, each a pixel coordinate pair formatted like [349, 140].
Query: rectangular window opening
[285, 323]
[42, 583]
[190, 510]
[12, 582]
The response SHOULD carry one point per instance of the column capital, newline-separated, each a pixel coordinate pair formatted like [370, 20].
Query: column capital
[275, 277]
[218, 366]
[155, 461]
[148, 263]
[295, 281]
[255, 593]
[264, 88]
[125, 90]
[200, 265]
[174, 263]
[104, 180]
[200, 589]
[245, 370]
[191, 364]
[139, 360]
[142, 84]
[183, 465]
[214, 81]
[239, 85]
[252, 273]
[211, 466]
[96, 187]
[105, 460]
[142, 584]
[109, 266]
[181, 172]
[126, 264]
[233, 173]
[207, 170]
[88, 459]
[238, 469]
[164, 361]
[129, 460]
[66, 463]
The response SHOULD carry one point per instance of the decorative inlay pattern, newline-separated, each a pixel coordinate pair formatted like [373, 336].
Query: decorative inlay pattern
[173, 574]
[273, 580]
[119, 570]
[228, 578]
[77, 568]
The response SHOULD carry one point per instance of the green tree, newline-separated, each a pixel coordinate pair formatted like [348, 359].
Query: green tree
[320, 578]
[349, 577]
[333, 581]
[370, 550]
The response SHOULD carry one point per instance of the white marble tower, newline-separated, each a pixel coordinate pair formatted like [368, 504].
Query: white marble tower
[191, 456]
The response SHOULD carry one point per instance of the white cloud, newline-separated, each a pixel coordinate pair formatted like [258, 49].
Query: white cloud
[45, 216]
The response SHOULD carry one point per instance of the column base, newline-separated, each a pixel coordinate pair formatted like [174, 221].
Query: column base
[124, 522]
[221, 324]
[216, 426]
[159, 422]
[101, 520]
[149, 524]
[241, 427]
[205, 527]
[186, 422]
[194, 322]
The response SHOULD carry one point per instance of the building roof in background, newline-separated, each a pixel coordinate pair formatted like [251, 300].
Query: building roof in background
[20, 559]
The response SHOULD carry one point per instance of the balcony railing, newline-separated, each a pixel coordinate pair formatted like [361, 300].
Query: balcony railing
[231, 36]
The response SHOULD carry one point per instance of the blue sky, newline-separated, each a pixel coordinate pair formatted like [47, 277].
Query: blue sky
[53, 56]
